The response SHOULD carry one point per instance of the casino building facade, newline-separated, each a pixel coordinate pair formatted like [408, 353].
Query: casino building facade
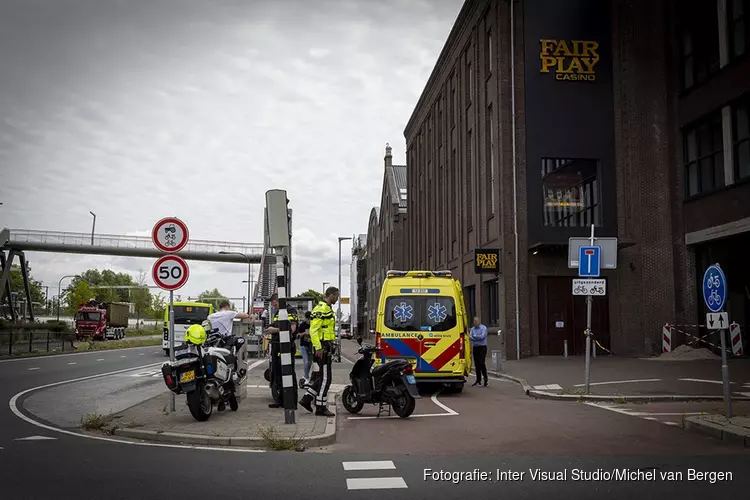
[542, 118]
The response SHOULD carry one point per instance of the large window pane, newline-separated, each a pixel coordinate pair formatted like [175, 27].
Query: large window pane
[571, 192]
[704, 155]
[692, 179]
[742, 160]
[698, 20]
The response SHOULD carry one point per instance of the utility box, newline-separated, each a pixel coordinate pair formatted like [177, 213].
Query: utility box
[278, 218]
[497, 361]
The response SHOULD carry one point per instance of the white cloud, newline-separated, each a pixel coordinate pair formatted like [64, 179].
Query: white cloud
[138, 110]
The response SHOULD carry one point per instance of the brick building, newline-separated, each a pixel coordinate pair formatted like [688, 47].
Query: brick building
[543, 117]
[385, 233]
[358, 286]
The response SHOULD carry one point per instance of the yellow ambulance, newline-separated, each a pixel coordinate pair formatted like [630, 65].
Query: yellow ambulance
[422, 318]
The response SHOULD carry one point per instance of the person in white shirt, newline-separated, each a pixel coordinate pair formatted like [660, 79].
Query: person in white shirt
[222, 319]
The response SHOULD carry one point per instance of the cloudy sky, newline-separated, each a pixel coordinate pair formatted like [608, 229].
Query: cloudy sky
[140, 109]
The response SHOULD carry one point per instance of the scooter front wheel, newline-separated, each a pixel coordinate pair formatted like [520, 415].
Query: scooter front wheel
[350, 401]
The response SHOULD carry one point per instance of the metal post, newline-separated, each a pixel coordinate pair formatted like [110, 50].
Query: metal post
[171, 343]
[288, 380]
[565, 346]
[589, 303]
[338, 314]
[249, 285]
[725, 375]
[593, 349]
[93, 227]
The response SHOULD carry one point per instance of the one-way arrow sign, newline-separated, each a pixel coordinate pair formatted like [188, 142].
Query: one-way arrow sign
[717, 321]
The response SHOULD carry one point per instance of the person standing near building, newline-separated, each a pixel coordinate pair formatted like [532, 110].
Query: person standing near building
[305, 347]
[322, 336]
[478, 337]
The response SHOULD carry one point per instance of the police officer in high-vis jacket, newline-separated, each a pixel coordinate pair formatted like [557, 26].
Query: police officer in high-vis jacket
[323, 336]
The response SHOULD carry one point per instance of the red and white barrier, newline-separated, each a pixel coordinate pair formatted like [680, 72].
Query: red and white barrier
[666, 338]
[735, 335]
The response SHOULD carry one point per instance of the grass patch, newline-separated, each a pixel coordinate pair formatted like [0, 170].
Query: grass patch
[86, 346]
[576, 391]
[95, 421]
[132, 332]
[272, 440]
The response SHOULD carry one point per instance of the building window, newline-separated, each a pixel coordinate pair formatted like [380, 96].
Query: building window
[703, 148]
[571, 191]
[739, 34]
[452, 196]
[700, 41]
[488, 52]
[469, 82]
[491, 160]
[741, 138]
[470, 296]
[491, 306]
[469, 184]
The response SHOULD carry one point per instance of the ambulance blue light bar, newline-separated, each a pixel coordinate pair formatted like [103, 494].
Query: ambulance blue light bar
[419, 274]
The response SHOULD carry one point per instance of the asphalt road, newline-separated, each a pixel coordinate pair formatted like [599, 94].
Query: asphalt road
[495, 428]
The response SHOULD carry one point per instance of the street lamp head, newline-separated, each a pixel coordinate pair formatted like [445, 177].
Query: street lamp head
[92, 213]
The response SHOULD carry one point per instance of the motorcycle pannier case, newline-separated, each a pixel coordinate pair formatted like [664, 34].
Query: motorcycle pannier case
[169, 374]
[216, 367]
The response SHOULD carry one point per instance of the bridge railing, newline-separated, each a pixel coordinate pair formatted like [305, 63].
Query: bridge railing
[125, 241]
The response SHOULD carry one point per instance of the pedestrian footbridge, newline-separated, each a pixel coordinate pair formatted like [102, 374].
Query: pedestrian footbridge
[127, 246]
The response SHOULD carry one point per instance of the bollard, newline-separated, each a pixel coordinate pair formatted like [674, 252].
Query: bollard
[565, 347]
[497, 361]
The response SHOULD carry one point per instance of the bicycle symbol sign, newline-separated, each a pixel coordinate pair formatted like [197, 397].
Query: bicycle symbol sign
[714, 288]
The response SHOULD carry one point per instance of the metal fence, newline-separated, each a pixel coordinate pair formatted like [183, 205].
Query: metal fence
[15, 343]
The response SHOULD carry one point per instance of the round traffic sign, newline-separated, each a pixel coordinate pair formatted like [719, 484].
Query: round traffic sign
[714, 288]
[170, 235]
[170, 272]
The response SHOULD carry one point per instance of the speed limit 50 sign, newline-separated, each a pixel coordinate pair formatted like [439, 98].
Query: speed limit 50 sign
[170, 272]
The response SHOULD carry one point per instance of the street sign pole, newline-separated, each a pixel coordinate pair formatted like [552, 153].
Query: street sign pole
[171, 343]
[170, 272]
[589, 303]
[715, 293]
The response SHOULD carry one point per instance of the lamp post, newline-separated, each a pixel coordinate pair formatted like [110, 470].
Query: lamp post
[324, 286]
[93, 227]
[59, 286]
[338, 310]
[249, 272]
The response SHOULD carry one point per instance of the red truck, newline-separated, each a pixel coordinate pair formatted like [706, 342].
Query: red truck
[102, 321]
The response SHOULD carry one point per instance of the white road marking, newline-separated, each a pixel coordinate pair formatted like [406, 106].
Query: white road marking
[375, 465]
[141, 354]
[35, 438]
[123, 356]
[441, 405]
[702, 380]
[672, 423]
[16, 360]
[746, 394]
[35, 368]
[608, 407]
[13, 404]
[260, 361]
[659, 414]
[100, 359]
[649, 418]
[621, 382]
[71, 363]
[549, 387]
[375, 483]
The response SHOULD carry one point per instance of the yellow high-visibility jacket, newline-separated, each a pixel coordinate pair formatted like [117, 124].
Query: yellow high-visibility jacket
[322, 324]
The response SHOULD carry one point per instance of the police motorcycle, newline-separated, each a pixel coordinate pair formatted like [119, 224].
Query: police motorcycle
[390, 385]
[208, 369]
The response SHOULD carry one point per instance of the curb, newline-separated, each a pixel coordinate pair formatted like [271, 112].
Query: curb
[328, 437]
[533, 393]
[700, 426]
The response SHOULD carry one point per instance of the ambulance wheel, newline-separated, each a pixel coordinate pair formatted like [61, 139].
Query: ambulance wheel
[456, 388]
[234, 405]
[349, 399]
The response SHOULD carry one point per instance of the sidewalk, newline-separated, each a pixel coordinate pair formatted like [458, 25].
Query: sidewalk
[644, 378]
[253, 425]
[735, 431]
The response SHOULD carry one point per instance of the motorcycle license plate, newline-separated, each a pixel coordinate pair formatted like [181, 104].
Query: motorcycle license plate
[411, 379]
[188, 376]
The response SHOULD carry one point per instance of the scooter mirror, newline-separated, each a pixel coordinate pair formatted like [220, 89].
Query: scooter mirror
[359, 340]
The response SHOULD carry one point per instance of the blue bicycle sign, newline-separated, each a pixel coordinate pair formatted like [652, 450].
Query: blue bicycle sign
[714, 288]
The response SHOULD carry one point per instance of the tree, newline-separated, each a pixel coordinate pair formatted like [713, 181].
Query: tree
[141, 297]
[77, 295]
[312, 293]
[16, 284]
[214, 297]
[158, 304]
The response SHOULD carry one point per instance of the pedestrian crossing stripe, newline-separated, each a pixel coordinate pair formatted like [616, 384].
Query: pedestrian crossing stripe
[152, 373]
[373, 483]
